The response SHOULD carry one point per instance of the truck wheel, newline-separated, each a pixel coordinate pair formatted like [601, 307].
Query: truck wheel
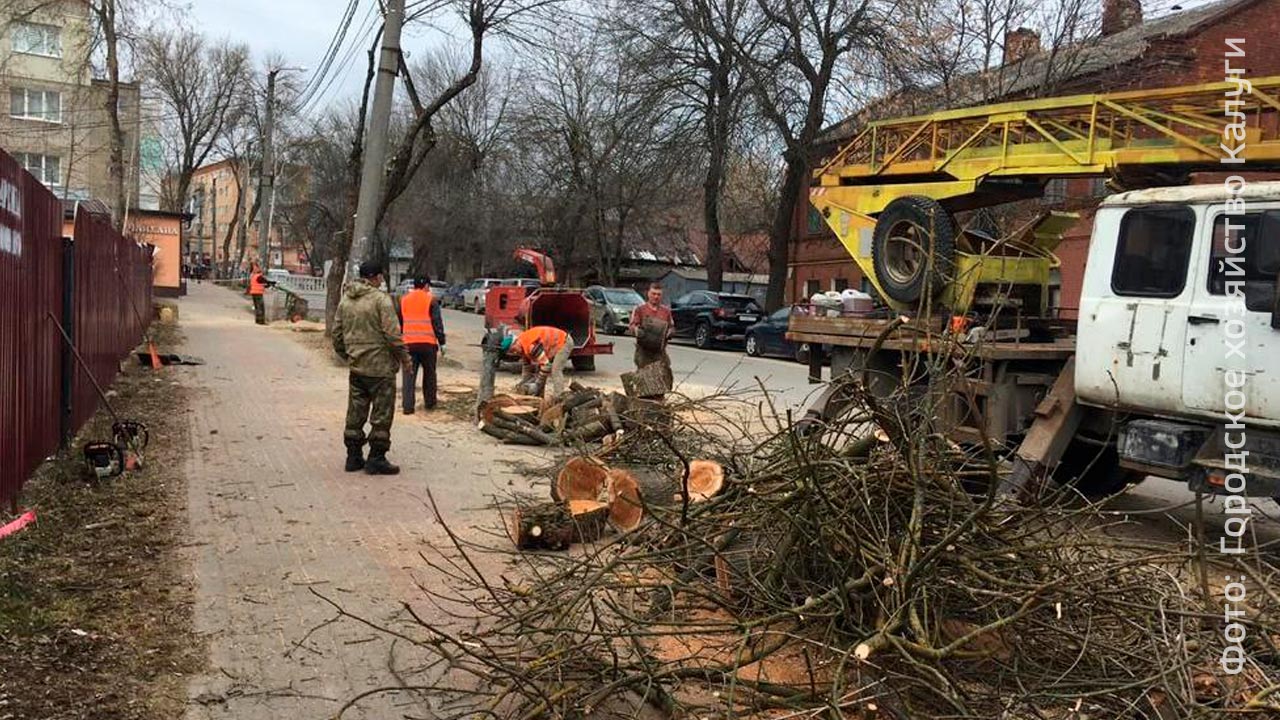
[802, 353]
[753, 346]
[584, 363]
[913, 249]
[1094, 471]
[702, 336]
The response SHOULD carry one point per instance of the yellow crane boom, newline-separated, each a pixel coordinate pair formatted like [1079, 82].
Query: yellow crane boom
[980, 156]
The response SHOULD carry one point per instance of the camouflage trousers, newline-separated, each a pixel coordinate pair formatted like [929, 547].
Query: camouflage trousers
[371, 400]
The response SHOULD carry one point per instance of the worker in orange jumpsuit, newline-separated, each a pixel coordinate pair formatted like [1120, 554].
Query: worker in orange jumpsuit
[258, 284]
[424, 337]
[543, 352]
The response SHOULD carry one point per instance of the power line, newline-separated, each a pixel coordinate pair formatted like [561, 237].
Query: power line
[335, 43]
[367, 27]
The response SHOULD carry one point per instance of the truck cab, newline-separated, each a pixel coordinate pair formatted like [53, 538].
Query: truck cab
[1178, 328]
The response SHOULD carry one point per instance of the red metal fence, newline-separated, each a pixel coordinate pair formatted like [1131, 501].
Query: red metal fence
[44, 395]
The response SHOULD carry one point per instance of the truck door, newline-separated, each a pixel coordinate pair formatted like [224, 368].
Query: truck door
[1134, 305]
[1229, 332]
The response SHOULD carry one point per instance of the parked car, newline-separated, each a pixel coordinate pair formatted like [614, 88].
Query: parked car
[277, 274]
[473, 295]
[529, 284]
[452, 297]
[611, 307]
[769, 337]
[438, 287]
[714, 317]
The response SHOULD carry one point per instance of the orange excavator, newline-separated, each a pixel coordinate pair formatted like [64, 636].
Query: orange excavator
[549, 304]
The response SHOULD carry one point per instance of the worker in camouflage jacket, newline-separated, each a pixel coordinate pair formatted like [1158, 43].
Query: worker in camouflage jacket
[366, 334]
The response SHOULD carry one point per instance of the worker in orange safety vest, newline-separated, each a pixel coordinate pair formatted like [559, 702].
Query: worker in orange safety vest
[543, 352]
[258, 284]
[424, 336]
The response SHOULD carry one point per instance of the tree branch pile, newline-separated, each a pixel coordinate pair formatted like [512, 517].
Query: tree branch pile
[873, 576]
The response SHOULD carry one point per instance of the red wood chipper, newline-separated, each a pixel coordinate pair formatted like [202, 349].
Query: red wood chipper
[549, 304]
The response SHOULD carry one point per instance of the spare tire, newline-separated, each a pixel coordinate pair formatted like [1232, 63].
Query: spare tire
[909, 232]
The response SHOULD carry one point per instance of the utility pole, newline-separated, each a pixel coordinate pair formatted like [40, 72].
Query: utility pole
[375, 148]
[267, 182]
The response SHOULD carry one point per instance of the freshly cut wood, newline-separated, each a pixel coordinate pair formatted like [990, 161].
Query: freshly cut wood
[706, 478]
[548, 526]
[553, 416]
[524, 412]
[650, 381]
[455, 389]
[498, 402]
[581, 478]
[590, 519]
[626, 510]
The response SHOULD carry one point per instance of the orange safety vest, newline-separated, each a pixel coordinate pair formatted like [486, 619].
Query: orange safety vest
[540, 345]
[257, 285]
[415, 308]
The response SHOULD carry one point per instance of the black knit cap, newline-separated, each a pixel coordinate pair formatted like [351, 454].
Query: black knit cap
[370, 268]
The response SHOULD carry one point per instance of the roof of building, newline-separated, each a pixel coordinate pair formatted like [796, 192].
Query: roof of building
[1025, 76]
[729, 277]
[94, 206]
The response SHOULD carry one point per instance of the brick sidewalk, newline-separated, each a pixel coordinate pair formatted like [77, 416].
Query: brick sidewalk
[274, 518]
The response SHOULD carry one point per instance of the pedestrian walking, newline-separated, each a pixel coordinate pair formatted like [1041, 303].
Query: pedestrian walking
[543, 352]
[652, 326]
[424, 337]
[366, 333]
[258, 284]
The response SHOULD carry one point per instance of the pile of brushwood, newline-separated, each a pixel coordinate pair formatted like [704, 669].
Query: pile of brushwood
[864, 569]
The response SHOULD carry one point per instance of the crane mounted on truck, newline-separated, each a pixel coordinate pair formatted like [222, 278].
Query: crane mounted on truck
[1139, 381]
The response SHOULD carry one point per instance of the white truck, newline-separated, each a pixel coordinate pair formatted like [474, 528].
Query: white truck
[1174, 357]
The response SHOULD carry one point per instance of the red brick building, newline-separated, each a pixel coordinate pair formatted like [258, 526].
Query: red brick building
[1184, 48]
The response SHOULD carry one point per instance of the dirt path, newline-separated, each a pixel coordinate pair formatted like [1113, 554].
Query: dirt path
[275, 521]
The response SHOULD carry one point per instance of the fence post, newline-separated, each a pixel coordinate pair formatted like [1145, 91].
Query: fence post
[68, 322]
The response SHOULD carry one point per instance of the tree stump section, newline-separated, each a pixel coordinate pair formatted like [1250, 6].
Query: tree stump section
[555, 526]
[581, 478]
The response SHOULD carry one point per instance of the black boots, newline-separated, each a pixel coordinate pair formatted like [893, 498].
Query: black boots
[377, 464]
[355, 458]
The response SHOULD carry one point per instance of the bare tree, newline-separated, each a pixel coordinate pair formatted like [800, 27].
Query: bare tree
[791, 73]
[690, 46]
[199, 85]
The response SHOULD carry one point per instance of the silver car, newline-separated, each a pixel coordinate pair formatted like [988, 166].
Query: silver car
[611, 307]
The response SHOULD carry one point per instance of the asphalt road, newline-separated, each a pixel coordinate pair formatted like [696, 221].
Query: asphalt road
[1163, 506]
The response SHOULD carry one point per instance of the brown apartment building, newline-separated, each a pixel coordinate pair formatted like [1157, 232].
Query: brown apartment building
[222, 194]
[1182, 48]
[55, 122]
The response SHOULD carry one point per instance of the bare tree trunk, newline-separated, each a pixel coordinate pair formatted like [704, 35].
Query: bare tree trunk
[106, 11]
[780, 232]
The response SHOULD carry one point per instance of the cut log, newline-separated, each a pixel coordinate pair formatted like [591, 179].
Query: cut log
[548, 526]
[455, 389]
[594, 429]
[581, 478]
[520, 427]
[527, 413]
[553, 417]
[590, 519]
[504, 401]
[626, 510]
[644, 413]
[706, 478]
[649, 381]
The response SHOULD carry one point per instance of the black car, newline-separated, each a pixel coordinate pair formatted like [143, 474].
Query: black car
[769, 337]
[713, 317]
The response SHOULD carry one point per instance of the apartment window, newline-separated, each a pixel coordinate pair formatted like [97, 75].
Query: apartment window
[840, 284]
[815, 221]
[30, 104]
[1055, 192]
[46, 168]
[37, 39]
[811, 288]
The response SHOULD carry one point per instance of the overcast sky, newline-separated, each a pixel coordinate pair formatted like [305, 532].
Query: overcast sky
[299, 31]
